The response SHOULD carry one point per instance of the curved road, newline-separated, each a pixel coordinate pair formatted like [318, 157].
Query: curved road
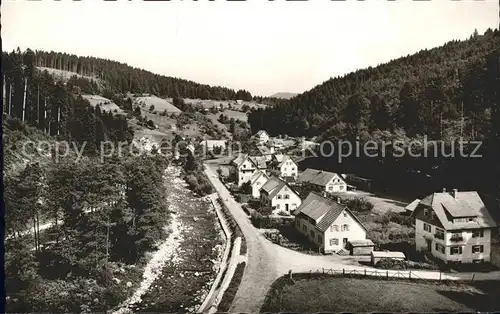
[268, 261]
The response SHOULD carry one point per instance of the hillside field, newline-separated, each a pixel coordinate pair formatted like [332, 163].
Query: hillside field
[159, 104]
[106, 104]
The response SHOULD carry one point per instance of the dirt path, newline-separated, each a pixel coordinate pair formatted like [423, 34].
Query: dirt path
[268, 261]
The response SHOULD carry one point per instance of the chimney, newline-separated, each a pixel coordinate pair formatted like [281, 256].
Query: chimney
[454, 193]
[444, 190]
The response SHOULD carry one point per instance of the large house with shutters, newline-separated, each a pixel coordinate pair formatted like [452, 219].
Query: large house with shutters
[327, 223]
[280, 196]
[328, 181]
[455, 227]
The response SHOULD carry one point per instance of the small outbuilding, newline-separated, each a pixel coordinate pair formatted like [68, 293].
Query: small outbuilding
[378, 255]
[360, 247]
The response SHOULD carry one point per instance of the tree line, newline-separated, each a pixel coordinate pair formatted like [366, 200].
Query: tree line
[103, 74]
[443, 93]
[425, 93]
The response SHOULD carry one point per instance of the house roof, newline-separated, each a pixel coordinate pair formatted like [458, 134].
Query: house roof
[256, 176]
[388, 254]
[317, 177]
[264, 150]
[261, 132]
[274, 185]
[411, 207]
[464, 204]
[240, 159]
[323, 209]
[259, 161]
[357, 243]
[271, 184]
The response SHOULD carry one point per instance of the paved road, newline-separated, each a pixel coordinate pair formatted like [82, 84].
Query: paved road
[268, 261]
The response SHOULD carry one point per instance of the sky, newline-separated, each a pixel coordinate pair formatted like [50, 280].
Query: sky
[258, 45]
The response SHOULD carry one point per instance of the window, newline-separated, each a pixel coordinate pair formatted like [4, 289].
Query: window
[298, 223]
[304, 227]
[345, 228]
[287, 196]
[440, 248]
[334, 241]
[345, 214]
[244, 166]
[293, 168]
[334, 228]
[477, 248]
[341, 188]
[426, 212]
[478, 233]
[427, 227]
[277, 206]
[330, 188]
[455, 250]
[279, 196]
[439, 234]
[312, 233]
[320, 238]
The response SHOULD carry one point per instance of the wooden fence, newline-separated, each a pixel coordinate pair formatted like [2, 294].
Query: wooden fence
[379, 274]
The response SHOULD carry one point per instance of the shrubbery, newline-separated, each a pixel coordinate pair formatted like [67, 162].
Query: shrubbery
[358, 204]
[387, 263]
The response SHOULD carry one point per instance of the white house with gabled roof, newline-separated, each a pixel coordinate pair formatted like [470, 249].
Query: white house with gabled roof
[280, 196]
[328, 181]
[454, 227]
[286, 167]
[327, 223]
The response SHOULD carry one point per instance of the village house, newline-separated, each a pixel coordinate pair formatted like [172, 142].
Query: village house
[275, 144]
[263, 151]
[258, 180]
[280, 196]
[209, 145]
[245, 167]
[328, 224]
[262, 137]
[454, 227]
[285, 166]
[328, 181]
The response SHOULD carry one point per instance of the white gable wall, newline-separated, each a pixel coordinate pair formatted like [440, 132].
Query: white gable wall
[245, 172]
[289, 169]
[283, 198]
[257, 185]
[354, 232]
[336, 184]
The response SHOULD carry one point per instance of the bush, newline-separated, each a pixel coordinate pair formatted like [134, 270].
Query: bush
[358, 204]
[387, 263]
[265, 222]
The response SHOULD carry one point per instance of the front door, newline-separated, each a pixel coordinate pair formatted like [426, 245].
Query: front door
[429, 245]
[286, 207]
[344, 242]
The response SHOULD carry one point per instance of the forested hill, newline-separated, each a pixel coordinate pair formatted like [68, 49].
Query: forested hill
[121, 77]
[421, 94]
